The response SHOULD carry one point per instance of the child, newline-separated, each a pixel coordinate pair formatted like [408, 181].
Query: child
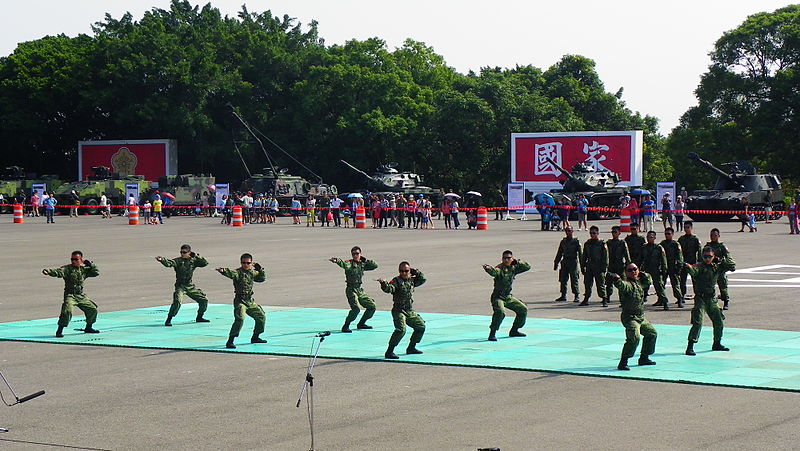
[146, 212]
[346, 213]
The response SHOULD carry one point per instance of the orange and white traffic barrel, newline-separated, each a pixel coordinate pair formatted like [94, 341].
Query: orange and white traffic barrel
[483, 219]
[236, 219]
[133, 215]
[19, 218]
[625, 220]
[361, 218]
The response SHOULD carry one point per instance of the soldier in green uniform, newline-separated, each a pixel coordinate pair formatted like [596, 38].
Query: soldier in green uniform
[721, 252]
[243, 278]
[569, 256]
[618, 257]
[705, 275]
[674, 254]
[353, 272]
[501, 298]
[594, 265]
[654, 263]
[402, 290]
[184, 268]
[690, 246]
[635, 244]
[74, 274]
[632, 290]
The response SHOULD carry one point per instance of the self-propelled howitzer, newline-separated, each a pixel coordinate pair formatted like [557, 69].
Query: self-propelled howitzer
[599, 187]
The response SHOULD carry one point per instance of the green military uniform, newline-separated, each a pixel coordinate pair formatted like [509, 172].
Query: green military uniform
[690, 246]
[501, 296]
[594, 265]
[243, 302]
[674, 254]
[402, 291]
[184, 268]
[721, 252]
[635, 245]
[568, 254]
[73, 293]
[631, 295]
[618, 258]
[705, 276]
[654, 263]
[353, 273]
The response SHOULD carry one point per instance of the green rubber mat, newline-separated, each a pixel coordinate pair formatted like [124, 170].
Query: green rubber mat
[764, 359]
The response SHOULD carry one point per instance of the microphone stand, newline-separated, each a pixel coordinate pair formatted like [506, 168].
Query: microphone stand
[308, 384]
[19, 400]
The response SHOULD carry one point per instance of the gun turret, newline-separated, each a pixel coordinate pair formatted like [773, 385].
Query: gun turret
[732, 178]
[578, 184]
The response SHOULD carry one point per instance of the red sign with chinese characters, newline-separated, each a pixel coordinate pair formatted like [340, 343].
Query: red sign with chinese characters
[150, 159]
[618, 152]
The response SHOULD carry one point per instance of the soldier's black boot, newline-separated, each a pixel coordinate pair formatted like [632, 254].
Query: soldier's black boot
[363, 325]
[168, 322]
[665, 304]
[491, 335]
[390, 353]
[230, 344]
[563, 298]
[516, 333]
[690, 349]
[725, 305]
[623, 365]
[200, 319]
[645, 360]
[60, 332]
[584, 303]
[680, 302]
[346, 328]
[717, 346]
[577, 298]
[257, 339]
[412, 349]
[90, 330]
[605, 302]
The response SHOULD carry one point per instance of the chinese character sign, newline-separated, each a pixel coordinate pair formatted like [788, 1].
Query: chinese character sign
[535, 156]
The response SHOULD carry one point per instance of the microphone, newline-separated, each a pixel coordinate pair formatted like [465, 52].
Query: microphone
[324, 334]
[29, 397]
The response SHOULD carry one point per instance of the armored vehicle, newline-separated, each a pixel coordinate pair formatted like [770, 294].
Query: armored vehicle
[601, 188]
[733, 187]
[103, 181]
[188, 190]
[14, 180]
[387, 179]
[278, 182]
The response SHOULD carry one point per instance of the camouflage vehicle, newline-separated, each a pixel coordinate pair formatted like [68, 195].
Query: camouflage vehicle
[601, 188]
[388, 180]
[103, 181]
[732, 188]
[15, 180]
[188, 190]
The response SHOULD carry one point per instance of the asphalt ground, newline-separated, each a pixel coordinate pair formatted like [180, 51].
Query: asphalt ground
[119, 398]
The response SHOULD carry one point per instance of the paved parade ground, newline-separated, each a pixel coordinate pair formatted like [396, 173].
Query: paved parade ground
[165, 394]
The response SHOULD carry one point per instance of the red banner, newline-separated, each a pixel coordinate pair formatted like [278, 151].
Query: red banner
[152, 159]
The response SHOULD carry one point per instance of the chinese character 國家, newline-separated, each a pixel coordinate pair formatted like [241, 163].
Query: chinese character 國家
[551, 150]
[594, 157]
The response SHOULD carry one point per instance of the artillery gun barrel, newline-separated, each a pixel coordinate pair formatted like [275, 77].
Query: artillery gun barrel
[561, 169]
[357, 170]
[701, 162]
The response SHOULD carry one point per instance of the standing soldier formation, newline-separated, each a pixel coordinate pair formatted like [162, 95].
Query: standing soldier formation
[74, 274]
[243, 303]
[674, 254]
[690, 247]
[501, 298]
[594, 265]
[618, 258]
[184, 269]
[654, 263]
[721, 252]
[402, 290]
[568, 257]
[353, 273]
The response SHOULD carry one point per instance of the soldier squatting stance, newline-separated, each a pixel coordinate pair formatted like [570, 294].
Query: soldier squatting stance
[74, 274]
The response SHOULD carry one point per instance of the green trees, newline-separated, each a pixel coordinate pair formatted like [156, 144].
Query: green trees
[175, 73]
[748, 100]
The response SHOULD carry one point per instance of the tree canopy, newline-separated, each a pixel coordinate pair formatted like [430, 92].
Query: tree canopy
[174, 73]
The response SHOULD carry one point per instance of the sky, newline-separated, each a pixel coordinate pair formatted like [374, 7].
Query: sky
[656, 51]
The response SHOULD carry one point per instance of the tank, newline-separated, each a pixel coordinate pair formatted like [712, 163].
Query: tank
[388, 180]
[14, 180]
[103, 181]
[601, 188]
[188, 190]
[732, 188]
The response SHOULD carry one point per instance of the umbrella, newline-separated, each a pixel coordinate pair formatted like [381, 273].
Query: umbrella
[453, 195]
[212, 187]
[640, 192]
[473, 193]
[351, 195]
[166, 194]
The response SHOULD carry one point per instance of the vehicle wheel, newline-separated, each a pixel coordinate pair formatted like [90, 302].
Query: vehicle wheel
[778, 207]
[759, 212]
[91, 206]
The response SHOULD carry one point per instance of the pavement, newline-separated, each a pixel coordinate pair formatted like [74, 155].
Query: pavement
[132, 398]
